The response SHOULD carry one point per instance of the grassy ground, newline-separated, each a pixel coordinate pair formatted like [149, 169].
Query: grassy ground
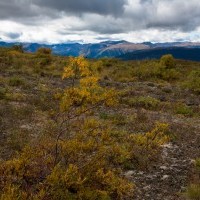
[150, 92]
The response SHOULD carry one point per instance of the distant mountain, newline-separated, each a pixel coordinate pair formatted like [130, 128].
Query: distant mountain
[5, 44]
[120, 49]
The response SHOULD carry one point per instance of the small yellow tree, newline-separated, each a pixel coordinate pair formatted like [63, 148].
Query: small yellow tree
[84, 159]
[84, 92]
[81, 162]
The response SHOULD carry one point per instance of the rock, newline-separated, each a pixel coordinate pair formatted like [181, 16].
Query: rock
[140, 173]
[129, 174]
[167, 89]
[148, 187]
[165, 177]
[168, 145]
[26, 126]
[163, 167]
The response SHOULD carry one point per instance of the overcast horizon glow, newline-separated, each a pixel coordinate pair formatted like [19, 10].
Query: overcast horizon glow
[85, 21]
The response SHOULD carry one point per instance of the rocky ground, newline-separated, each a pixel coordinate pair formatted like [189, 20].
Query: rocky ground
[169, 177]
[25, 107]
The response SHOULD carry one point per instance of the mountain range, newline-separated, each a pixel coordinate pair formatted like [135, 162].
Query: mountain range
[119, 49]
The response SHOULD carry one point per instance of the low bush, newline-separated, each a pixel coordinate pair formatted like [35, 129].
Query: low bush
[44, 51]
[147, 71]
[193, 81]
[183, 109]
[167, 61]
[193, 192]
[16, 81]
[44, 56]
[145, 102]
[2, 93]
[148, 145]
[117, 119]
[15, 96]
[18, 48]
[170, 74]
[197, 165]
[164, 70]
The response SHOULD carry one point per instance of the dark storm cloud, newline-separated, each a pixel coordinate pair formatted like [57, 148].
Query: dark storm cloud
[30, 8]
[102, 7]
[12, 9]
[100, 27]
[24, 11]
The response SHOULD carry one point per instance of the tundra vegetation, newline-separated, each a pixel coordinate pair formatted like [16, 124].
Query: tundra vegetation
[71, 128]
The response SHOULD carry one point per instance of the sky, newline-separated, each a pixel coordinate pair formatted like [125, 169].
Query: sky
[85, 21]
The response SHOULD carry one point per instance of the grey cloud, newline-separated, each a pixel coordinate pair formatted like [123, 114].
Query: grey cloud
[173, 14]
[13, 35]
[106, 17]
[10, 9]
[15, 8]
[102, 7]
[101, 38]
[96, 24]
[101, 29]
[163, 14]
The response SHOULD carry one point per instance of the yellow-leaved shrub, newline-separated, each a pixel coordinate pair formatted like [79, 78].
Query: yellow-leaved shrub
[83, 159]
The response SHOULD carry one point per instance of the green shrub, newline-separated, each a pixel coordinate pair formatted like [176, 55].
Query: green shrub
[197, 165]
[16, 81]
[154, 70]
[2, 93]
[183, 109]
[170, 74]
[15, 96]
[17, 139]
[193, 81]
[167, 61]
[109, 62]
[18, 48]
[44, 55]
[44, 51]
[193, 192]
[147, 71]
[45, 61]
[104, 116]
[116, 119]
[145, 102]
[23, 112]
[38, 70]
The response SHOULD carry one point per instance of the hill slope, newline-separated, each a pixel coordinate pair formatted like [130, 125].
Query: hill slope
[178, 52]
[149, 92]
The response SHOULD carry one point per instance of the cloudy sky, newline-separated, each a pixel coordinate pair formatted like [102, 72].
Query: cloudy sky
[56, 21]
